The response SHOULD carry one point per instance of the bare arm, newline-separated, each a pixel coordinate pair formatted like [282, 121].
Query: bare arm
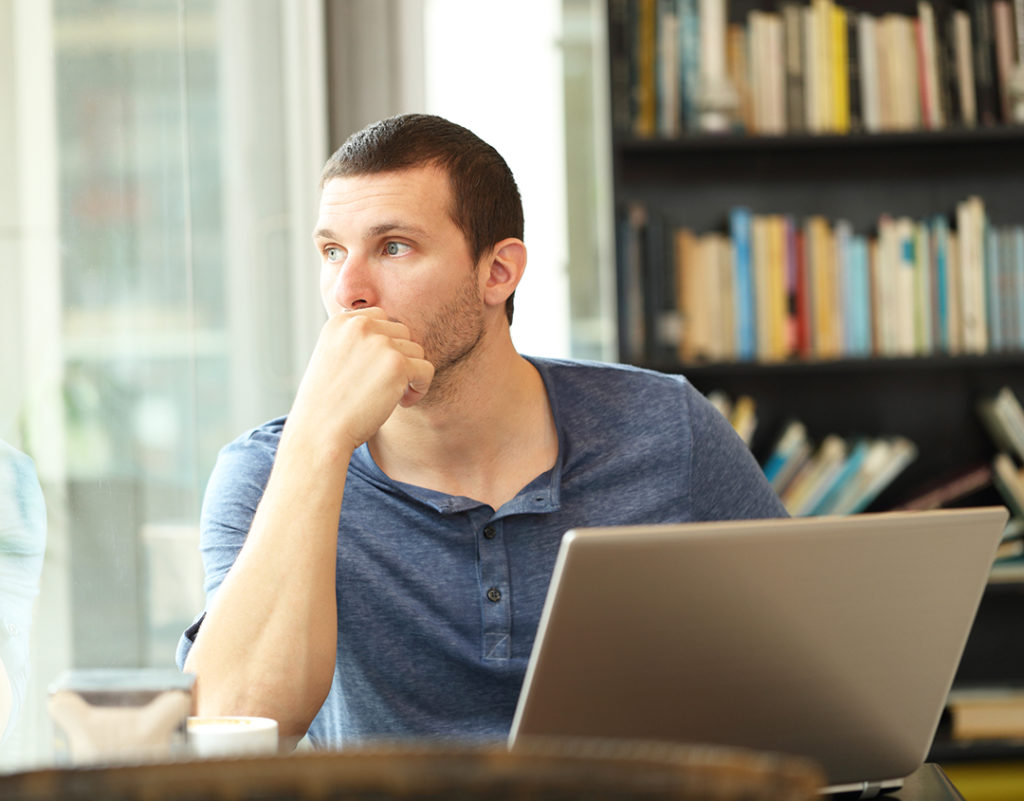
[268, 643]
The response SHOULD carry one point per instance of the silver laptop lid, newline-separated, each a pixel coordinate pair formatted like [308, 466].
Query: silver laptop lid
[835, 637]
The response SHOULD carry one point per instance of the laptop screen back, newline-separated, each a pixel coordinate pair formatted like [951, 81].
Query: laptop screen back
[836, 638]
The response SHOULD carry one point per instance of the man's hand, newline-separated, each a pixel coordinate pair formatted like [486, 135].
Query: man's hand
[363, 366]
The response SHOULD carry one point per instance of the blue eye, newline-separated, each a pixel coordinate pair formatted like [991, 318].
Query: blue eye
[396, 248]
[333, 254]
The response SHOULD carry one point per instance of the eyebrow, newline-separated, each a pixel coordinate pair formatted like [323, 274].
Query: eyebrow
[381, 229]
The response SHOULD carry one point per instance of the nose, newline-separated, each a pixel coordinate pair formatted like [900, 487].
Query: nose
[353, 287]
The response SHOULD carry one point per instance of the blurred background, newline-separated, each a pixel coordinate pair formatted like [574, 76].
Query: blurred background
[158, 170]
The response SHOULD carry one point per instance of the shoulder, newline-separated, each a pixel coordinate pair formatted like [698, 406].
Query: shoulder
[618, 394]
[608, 378]
[243, 465]
[261, 440]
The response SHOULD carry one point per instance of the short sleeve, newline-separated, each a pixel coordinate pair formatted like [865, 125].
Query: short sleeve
[727, 483]
[232, 495]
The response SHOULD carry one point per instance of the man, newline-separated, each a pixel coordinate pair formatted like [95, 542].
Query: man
[377, 561]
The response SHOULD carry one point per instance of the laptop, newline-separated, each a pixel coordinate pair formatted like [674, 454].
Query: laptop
[835, 638]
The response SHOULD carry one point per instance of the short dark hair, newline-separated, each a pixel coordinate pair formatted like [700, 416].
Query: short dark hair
[486, 205]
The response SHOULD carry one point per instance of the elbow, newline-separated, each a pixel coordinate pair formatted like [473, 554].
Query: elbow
[293, 699]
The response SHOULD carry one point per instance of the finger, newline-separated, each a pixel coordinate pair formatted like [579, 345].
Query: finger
[407, 348]
[382, 324]
[421, 374]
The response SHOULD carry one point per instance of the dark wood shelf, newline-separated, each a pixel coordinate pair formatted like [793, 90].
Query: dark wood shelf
[953, 136]
[694, 180]
[922, 364]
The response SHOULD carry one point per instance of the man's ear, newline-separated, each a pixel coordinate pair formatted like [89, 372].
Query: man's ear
[503, 270]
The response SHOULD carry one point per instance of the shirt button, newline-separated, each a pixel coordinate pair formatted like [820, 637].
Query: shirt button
[494, 594]
[489, 532]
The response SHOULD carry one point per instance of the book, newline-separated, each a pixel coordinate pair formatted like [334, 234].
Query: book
[869, 81]
[905, 285]
[725, 328]
[802, 294]
[689, 62]
[688, 295]
[853, 54]
[620, 65]
[924, 342]
[963, 47]
[762, 284]
[631, 245]
[791, 450]
[957, 487]
[1005, 55]
[816, 476]
[743, 417]
[739, 73]
[740, 230]
[711, 18]
[715, 256]
[824, 288]
[859, 297]
[1010, 550]
[843, 231]
[993, 271]
[645, 92]
[995, 713]
[930, 74]
[1003, 418]
[945, 63]
[983, 50]
[1009, 291]
[840, 58]
[1018, 270]
[669, 92]
[827, 499]
[822, 13]
[660, 314]
[812, 58]
[757, 43]
[970, 215]
[941, 282]
[792, 267]
[1009, 480]
[886, 458]
[794, 48]
[778, 263]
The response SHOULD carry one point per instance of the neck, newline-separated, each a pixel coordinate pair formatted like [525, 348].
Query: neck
[485, 434]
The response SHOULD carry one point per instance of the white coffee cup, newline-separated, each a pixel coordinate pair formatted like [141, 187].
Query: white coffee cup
[231, 735]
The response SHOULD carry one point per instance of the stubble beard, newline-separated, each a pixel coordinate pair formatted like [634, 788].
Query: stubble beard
[451, 338]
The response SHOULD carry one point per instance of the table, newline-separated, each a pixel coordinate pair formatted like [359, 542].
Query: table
[927, 783]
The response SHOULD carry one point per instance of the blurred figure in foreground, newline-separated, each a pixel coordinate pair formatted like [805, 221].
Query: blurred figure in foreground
[22, 543]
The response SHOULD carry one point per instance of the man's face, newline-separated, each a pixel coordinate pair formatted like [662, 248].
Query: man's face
[387, 240]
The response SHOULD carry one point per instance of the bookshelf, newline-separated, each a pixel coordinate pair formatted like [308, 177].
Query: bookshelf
[693, 180]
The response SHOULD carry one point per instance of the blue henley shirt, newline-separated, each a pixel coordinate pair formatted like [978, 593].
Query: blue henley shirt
[439, 596]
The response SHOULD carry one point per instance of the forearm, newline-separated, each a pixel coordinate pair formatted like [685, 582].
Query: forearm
[268, 643]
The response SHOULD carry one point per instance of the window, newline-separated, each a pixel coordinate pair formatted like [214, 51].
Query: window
[155, 234]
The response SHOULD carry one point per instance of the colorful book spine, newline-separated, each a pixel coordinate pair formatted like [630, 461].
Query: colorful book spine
[740, 230]
[1018, 252]
[814, 66]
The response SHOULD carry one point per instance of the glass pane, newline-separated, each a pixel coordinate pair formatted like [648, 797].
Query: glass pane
[176, 326]
[139, 200]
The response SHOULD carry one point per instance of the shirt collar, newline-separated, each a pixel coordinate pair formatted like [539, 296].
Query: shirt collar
[540, 496]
